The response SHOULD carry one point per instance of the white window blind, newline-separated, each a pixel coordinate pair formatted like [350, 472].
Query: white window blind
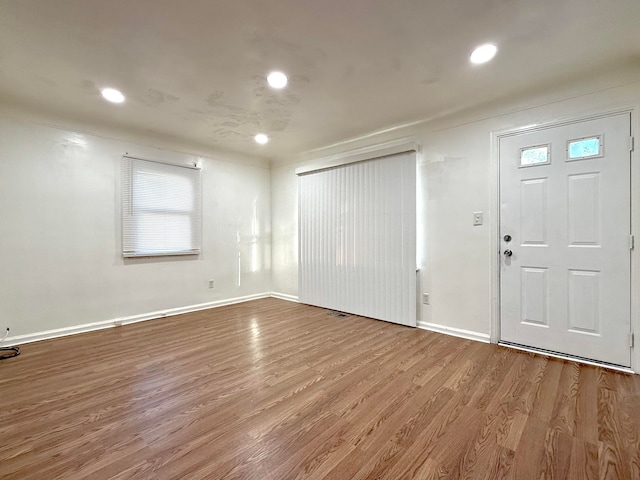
[161, 209]
[357, 234]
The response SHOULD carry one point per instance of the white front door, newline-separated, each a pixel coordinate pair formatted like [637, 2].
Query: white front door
[565, 223]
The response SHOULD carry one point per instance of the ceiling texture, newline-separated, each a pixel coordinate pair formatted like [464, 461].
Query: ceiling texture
[195, 70]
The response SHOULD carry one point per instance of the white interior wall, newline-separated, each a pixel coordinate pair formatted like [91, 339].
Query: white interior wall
[284, 217]
[60, 233]
[458, 176]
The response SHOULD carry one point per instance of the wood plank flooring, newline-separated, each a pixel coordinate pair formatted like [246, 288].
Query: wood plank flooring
[272, 390]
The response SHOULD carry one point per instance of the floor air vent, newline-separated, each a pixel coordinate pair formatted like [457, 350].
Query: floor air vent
[338, 314]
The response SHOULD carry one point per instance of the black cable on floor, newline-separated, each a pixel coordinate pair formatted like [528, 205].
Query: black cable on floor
[9, 352]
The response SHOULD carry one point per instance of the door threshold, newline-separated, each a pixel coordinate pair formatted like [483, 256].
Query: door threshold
[562, 356]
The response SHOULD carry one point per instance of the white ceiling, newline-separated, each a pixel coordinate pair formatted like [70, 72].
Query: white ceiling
[194, 69]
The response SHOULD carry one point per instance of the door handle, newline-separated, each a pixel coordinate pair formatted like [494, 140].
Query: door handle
[508, 253]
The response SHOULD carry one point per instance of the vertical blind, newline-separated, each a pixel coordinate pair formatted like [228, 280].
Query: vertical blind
[161, 209]
[357, 234]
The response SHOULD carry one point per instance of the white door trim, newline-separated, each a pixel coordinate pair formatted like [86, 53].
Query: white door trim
[494, 152]
[635, 230]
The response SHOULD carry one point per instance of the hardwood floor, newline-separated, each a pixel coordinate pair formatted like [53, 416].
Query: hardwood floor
[272, 390]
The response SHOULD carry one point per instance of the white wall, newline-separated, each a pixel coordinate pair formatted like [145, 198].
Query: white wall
[60, 233]
[284, 216]
[458, 177]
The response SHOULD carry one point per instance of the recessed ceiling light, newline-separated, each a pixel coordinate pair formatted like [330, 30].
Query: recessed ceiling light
[483, 53]
[112, 95]
[277, 80]
[261, 138]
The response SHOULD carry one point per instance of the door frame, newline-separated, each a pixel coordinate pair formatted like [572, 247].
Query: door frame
[496, 258]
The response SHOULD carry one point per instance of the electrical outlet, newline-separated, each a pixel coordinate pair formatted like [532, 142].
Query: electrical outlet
[211, 283]
[477, 218]
[425, 298]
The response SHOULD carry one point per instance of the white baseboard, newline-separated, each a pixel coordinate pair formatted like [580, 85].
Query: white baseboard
[90, 327]
[456, 332]
[285, 296]
[189, 308]
[58, 332]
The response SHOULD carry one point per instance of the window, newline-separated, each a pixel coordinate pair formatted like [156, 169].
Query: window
[587, 147]
[532, 156]
[161, 209]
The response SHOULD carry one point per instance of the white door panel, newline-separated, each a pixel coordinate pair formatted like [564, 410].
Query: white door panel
[566, 286]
